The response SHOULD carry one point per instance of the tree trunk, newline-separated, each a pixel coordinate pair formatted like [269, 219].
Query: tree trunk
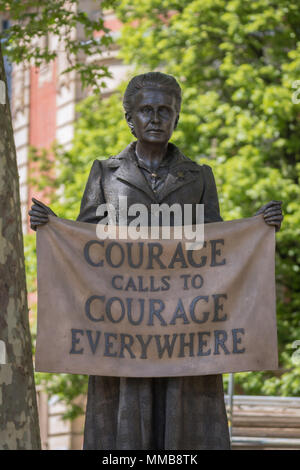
[19, 426]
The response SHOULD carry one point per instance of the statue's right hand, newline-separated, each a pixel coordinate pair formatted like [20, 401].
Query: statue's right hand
[39, 214]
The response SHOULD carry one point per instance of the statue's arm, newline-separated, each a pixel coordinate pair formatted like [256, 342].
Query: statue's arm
[210, 196]
[93, 195]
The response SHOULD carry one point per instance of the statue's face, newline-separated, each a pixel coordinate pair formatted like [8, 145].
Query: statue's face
[153, 116]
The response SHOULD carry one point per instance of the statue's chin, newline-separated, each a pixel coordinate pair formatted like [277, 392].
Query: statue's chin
[154, 138]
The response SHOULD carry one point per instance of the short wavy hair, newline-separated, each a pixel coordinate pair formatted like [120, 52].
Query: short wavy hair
[155, 80]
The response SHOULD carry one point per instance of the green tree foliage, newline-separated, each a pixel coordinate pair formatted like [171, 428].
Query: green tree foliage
[33, 20]
[237, 62]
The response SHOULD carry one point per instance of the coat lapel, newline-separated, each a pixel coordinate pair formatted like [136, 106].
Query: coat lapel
[182, 171]
[130, 173]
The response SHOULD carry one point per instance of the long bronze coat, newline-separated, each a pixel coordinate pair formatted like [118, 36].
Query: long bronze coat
[183, 413]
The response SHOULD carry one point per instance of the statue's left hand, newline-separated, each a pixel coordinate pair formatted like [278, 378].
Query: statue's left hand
[272, 213]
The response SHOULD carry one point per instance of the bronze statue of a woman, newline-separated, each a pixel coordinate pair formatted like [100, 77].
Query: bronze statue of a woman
[153, 413]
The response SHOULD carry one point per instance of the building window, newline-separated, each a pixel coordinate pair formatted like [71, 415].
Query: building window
[5, 24]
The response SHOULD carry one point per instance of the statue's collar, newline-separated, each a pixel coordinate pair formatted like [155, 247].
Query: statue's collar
[172, 158]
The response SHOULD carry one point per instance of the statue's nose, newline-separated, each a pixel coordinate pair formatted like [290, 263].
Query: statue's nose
[155, 117]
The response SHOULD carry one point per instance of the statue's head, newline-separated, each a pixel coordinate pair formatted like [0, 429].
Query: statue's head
[152, 105]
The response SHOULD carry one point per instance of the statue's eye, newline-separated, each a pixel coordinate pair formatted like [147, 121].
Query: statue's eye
[146, 110]
[164, 112]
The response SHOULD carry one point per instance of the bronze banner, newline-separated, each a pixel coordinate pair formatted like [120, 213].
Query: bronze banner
[151, 308]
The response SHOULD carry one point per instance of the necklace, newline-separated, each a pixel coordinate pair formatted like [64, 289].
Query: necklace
[146, 167]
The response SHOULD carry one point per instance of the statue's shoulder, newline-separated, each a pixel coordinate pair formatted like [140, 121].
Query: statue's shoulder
[188, 165]
[103, 164]
[111, 162]
[100, 166]
[184, 161]
[114, 161]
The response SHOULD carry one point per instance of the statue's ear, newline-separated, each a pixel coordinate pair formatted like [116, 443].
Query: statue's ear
[128, 118]
[176, 121]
